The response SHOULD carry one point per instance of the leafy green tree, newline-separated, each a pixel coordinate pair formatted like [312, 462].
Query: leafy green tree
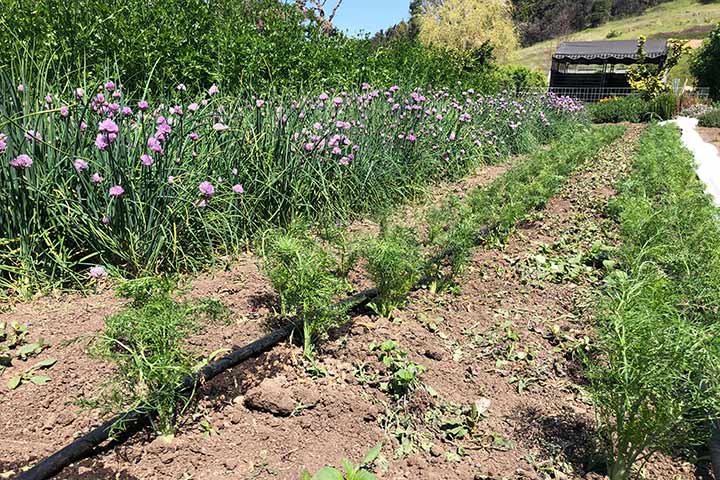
[467, 25]
[706, 64]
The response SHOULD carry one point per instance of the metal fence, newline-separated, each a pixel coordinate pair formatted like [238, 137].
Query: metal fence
[594, 94]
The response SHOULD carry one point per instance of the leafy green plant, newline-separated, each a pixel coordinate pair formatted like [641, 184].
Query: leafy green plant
[649, 79]
[147, 343]
[402, 374]
[349, 470]
[303, 275]
[394, 264]
[14, 344]
[710, 119]
[30, 375]
[704, 64]
[141, 290]
[631, 108]
[654, 378]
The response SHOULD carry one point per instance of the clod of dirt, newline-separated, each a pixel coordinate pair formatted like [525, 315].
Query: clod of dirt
[434, 354]
[306, 396]
[482, 405]
[271, 397]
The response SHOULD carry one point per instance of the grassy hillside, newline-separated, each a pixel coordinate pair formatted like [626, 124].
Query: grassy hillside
[679, 19]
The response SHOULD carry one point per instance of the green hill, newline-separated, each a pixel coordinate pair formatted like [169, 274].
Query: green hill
[687, 19]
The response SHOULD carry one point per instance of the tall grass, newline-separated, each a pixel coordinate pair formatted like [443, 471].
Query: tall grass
[654, 380]
[200, 176]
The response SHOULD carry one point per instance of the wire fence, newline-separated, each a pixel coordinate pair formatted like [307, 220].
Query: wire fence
[595, 94]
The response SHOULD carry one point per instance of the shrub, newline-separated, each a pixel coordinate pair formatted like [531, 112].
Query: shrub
[303, 275]
[705, 65]
[394, 264]
[710, 119]
[621, 109]
[663, 106]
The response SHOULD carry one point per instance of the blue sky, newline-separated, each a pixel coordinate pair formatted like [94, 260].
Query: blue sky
[370, 16]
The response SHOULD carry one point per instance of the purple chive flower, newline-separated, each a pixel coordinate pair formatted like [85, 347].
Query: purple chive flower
[80, 165]
[235, 171]
[21, 88]
[146, 160]
[108, 126]
[109, 85]
[48, 99]
[259, 103]
[96, 178]
[154, 145]
[105, 220]
[213, 90]
[337, 101]
[97, 272]
[64, 111]
[83, 126]
[193, 107]
[127, 111]
[116, 191]
[181, 87]
[170, 180]
[238, 188]
[220, 127]
[3, 143]
[79, 93]
[194, 136]
[323, 96]
[21, 162]
[102, 142]
[143, 105]
[207, 189]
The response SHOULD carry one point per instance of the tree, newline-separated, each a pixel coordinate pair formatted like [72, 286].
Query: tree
[706, 64]
[649, 79]
[467, 25]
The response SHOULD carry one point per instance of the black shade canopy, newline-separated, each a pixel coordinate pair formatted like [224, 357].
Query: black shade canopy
[610, 51]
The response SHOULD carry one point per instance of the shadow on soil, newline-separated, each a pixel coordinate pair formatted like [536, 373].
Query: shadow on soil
[85, 470]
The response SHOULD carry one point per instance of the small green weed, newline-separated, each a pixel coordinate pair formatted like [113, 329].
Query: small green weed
[30, 375]
[402, 375]
[362, 471]
[14, 344]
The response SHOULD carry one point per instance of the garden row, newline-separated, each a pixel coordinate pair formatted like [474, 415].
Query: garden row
[654, 376]
[147, 340]
[90, 177]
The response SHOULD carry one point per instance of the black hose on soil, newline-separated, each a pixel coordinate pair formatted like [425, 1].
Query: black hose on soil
[132, 421]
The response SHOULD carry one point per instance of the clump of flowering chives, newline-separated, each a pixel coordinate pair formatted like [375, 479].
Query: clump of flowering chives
[207, 189]
[22, 161]
[116, 191]
[80, 165]
[97, 272]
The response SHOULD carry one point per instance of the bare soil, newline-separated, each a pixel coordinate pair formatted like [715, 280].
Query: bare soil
[710, 135]
[508, 340]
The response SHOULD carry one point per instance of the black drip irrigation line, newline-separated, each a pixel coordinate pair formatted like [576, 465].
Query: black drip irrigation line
[134, 420]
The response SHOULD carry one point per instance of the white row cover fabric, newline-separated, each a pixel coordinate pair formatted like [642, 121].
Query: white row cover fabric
[707, 159]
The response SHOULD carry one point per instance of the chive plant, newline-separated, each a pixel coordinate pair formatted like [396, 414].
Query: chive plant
[90, 176]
